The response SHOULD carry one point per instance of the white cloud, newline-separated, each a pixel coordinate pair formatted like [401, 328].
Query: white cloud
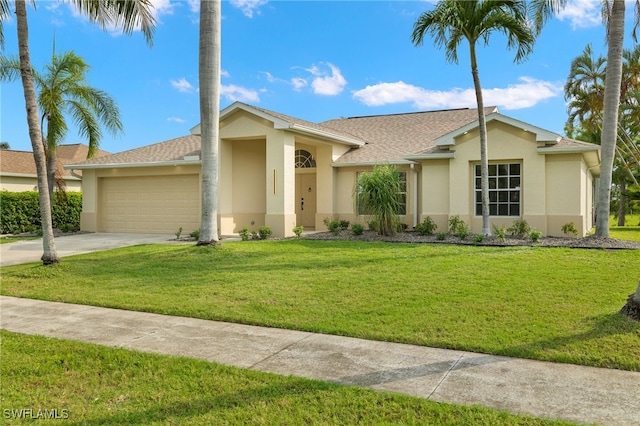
[249, 7]
[182, 85]
[582, 13]
[176, 119]
[194, 5]
[237, 93]
[525, 94]
[322, 81]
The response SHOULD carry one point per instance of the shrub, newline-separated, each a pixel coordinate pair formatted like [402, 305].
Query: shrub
[357, 229]
[20, 212]
[334, 227]
[373, 225]
[454, 224]
[441, 235]
[254, 235]
[265, 232]
[520, 228]
[500, 232]
[178, 233]
[535, 235]
[378, 194]
[195, 234]
[427, 227]
[344, 225]
[569, 229]
[463, 231]
[298, 230]
[402, 227]
[244, 234]
[478, 238]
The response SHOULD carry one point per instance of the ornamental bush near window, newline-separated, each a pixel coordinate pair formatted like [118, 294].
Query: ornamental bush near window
[382, 193]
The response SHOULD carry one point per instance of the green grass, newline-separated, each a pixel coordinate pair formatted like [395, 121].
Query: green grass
[95, 385]
[631, 231]
[554, 304]
[6, 240]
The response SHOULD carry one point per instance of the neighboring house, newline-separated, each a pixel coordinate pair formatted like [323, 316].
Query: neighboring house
[281, 171]
[18, 168]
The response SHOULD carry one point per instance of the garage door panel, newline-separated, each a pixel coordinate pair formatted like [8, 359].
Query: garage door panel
[150, 204]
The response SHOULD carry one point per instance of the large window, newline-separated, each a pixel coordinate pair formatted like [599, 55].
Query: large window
[504, 189]
[402, 208]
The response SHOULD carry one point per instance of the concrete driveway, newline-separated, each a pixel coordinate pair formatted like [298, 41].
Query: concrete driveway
[31, 251]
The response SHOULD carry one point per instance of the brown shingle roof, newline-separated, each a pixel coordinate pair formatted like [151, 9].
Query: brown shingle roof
[22, 162]
[171, 150]
[390, 137]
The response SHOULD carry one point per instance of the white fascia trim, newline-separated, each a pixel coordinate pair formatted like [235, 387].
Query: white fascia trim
[542, 135]
[438, 156]
[372, 163]
[567, 150]
[278, 123]
[325, 134]
[129, 165]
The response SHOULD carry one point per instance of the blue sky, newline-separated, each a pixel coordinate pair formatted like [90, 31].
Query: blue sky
[312, 60]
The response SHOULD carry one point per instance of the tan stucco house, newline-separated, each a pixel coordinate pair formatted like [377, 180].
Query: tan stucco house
[18, 168]
[281, 171]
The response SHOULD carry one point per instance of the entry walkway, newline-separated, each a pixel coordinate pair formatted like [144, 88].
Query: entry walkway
[562, 391]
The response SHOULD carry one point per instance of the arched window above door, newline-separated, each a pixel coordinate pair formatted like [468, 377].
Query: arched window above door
[304, 159]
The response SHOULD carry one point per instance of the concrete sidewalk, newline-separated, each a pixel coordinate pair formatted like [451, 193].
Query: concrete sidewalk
[562, 391]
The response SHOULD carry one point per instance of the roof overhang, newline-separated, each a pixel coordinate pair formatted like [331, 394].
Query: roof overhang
[431, 156]
[130, 165]
[34, 176]
[372, 163]
[280, 124]
[591, 155]
[542, 135]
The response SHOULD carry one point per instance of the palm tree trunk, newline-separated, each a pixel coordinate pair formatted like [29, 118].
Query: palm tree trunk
[484, 155]
[622, 200]
[50, 255]
[613, 80]
[209, 75]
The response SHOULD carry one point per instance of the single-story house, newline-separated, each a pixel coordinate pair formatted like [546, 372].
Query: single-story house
[282, 171]
[18, 168]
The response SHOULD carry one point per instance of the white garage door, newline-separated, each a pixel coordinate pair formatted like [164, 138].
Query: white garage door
[150, 204]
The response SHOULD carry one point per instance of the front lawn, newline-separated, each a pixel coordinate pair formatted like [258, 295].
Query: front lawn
[554, 304]
[87, 384]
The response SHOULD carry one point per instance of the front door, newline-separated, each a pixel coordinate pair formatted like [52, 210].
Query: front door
[306, 200]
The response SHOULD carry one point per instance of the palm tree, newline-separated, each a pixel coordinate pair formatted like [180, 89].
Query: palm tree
[209, 76]
[64, 91]
[128, 14]
[449, 23]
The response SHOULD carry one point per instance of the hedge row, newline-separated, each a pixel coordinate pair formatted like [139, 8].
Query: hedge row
[20, 212]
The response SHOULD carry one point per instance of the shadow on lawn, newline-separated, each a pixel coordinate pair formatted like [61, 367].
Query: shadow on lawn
[605, 325]
[185, 407]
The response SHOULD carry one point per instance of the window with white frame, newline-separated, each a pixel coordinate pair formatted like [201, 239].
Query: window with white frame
[504, 189]
[304, 159]
[402, 208]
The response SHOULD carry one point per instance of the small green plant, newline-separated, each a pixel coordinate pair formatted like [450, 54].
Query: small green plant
[178, 233]
[500, 232]
[441, 235]
[373, 225]
[570, 229]
[402, 227]
[334, 227]
[254, 235]
[265, 232]
[463, 231]
[520, 228]
[535, 235]
[478, 238]
[344, 225]
[195, 234]
[298, 230]
[244, 234]
[454, 224]
[357, 229]
[326, 221]
[427, 227]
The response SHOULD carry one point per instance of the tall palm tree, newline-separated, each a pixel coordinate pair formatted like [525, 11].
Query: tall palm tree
[128, 14]
[453, 21]
[63, 91]
[209, 80]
